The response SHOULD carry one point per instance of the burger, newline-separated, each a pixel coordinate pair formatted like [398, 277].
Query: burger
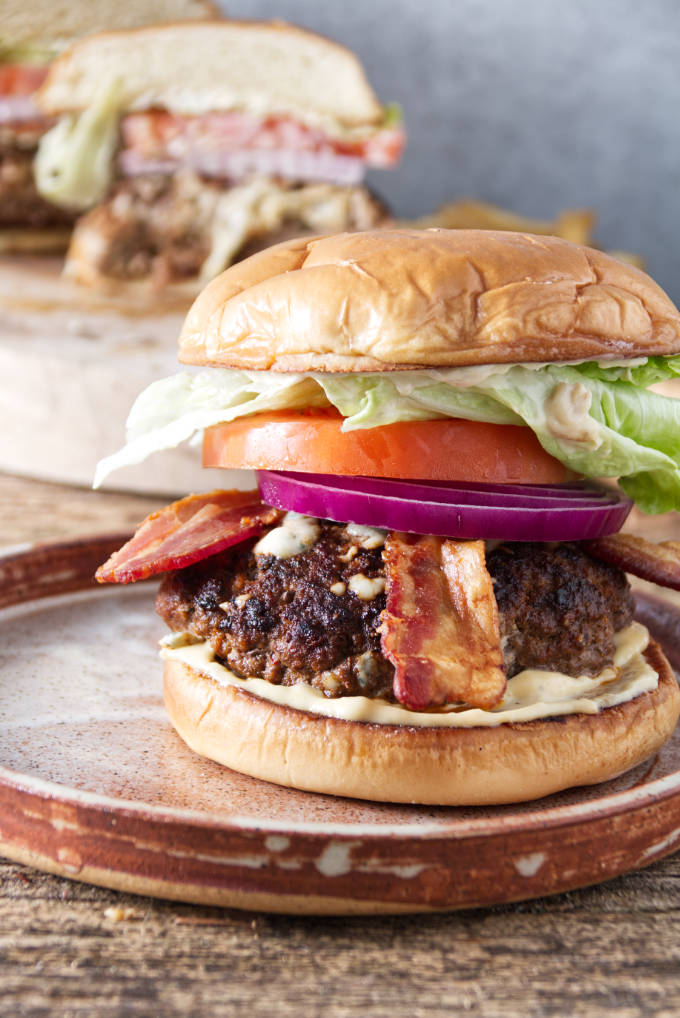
[184, 146]
[425, 601]
[32, 35]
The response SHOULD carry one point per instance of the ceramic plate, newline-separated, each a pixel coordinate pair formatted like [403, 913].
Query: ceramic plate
[95, 784]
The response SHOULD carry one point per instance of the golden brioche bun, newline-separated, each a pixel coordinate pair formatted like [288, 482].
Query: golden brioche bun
[448, 767]
[395, 299]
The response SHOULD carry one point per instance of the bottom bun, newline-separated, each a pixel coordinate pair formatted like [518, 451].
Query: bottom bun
[435, 766]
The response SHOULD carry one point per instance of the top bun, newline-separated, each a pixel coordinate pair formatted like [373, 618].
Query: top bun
[257, 67]
[397, 299]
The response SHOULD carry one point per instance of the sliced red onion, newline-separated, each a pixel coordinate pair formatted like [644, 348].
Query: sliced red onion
[509, 512]
[239, 164]
[19, 109]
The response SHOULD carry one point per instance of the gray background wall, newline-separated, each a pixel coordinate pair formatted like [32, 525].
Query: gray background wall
[533, 104]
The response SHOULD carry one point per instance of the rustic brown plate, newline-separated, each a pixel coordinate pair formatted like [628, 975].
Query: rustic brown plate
[95, 785]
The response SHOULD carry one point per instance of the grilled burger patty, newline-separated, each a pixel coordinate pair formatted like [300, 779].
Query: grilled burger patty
[558, 607]
[161, 226]
[299, 620]
[20, 203]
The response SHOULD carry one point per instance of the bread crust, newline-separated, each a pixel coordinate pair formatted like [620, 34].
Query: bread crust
[387, 300]
[442, 766]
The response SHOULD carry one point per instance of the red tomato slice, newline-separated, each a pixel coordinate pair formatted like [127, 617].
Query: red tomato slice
[21, 79]
[311, 441]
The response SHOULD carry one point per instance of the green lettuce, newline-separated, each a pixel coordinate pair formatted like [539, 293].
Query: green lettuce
[74, 162]
[599, 419]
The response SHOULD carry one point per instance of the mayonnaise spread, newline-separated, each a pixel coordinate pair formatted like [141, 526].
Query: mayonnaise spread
[530, 695]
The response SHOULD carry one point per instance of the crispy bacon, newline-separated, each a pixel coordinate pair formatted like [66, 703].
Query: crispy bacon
[440, 626]
[658, 563]
[185, 532]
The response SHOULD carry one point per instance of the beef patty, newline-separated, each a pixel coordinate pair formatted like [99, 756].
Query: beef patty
[558, 608]
[160, 227]
[298, 619]
[20, 203]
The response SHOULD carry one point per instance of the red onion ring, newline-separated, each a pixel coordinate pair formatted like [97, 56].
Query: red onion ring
[509, 512]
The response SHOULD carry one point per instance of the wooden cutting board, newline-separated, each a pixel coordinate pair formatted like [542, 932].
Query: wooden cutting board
[72, 362]
[95, 784]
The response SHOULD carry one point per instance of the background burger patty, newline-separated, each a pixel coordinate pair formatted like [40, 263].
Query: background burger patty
[20, 203]
[559, 610]
[162, 226]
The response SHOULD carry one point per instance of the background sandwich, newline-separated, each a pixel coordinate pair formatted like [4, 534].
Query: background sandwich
[31, 37]
[424, 605]
[189, 143]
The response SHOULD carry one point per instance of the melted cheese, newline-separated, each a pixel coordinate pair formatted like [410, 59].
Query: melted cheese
[530, 695]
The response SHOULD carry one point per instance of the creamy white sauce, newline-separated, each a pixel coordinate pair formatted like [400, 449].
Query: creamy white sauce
[296, 534]
[338, 588]
[567, 414]
[366, 537]
[173, 640]
[530, 695]
[366, 587]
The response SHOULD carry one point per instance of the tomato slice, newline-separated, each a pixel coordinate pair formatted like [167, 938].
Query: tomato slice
[311, 441]
[21, 79]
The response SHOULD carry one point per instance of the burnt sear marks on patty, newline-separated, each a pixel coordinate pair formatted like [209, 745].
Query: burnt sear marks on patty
[558, 607]
[288, 620]
[298, 619]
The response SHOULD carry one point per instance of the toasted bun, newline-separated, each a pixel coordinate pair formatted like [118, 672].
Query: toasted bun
[391, 299]
[38, 28]
[448, 767]
[263, 67]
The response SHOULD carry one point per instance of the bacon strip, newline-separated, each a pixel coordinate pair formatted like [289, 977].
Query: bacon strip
[440, 628]
[185, 532]
[658, 563]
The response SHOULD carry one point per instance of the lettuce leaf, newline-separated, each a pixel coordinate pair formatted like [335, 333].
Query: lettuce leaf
[597, 418]
[74, 163]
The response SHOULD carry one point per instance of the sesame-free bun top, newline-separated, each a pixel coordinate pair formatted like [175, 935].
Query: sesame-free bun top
[193, 68]
[396, 299]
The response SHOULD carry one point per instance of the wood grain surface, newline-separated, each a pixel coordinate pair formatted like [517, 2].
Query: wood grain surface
[69, 950]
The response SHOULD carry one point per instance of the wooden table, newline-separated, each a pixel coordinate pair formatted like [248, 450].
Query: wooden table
[68, 950]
